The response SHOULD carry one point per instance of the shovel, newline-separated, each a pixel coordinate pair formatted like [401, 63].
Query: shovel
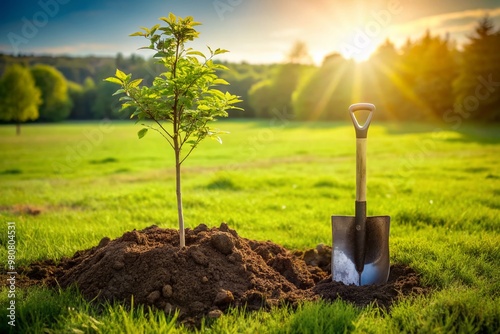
[360, 243]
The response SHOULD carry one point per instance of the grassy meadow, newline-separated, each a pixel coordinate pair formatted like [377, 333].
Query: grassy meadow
[66, 186]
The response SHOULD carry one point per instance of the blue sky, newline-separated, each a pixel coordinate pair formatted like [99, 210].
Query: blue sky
[257, 31]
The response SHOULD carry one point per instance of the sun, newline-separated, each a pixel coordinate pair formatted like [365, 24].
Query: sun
[318, 56]
[351, 28]
[359, 55]
[362, 57]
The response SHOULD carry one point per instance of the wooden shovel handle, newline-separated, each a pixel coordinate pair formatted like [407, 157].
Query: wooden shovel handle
[361, 169]
[361, 131]
[361, 135]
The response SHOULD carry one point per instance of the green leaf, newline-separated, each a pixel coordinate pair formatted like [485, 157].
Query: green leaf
[196, 53]
[137, 33]
[135, 83]
[216, 93]
[142, 132]
[170, 19]
[220, 51]
[119, 91]
[203, 107]
[220, 81]
[154, 28]
[114, 80]
[120, 75]
[160, 55]
[220, 67]
[216, 138]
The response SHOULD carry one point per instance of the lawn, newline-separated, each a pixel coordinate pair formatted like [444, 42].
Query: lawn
[67, 186]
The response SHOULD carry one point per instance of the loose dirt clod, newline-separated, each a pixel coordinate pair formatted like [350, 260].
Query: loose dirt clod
[217, 269]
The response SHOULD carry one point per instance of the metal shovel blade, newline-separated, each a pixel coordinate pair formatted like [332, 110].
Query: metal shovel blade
[376, 269]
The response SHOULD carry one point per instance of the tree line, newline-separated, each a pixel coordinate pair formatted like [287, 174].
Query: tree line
[427, 79]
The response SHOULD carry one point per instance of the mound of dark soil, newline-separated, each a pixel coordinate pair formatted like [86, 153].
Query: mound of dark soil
[217, 269]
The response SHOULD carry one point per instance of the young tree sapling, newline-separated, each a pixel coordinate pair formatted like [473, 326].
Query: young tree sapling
[181, 101]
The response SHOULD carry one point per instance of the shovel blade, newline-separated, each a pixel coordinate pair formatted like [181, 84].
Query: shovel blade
[376, 270]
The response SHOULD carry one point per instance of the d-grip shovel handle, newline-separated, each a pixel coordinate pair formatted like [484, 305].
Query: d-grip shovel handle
[361, 131]
[360, 217]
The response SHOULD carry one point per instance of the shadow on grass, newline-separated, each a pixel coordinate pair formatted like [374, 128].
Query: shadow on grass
[13, 171]
[104, 161]
[467, 133]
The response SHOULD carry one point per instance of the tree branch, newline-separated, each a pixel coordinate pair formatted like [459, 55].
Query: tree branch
[199, 139]
[145, 109]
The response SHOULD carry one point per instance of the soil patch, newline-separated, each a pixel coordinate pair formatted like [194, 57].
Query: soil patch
[20, 209]
[217, 269]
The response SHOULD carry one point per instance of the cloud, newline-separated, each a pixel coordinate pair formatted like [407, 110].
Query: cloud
[456, 25]
[452, 22]
[76, 49]
[287, 33]
[4, 47]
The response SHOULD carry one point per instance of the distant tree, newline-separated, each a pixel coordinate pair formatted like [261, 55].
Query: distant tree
[19, 96]
[275, 92]
[242, 78]
[477, 88]
[106, 105]
[76, 94]
[83, 98]
[299, 54]
[285, 82]
[379, 81]
[328, 91]
[386, 53]
[435, 75]
[88, 84]
[424, 73]
[136, 60]
[56, 105]
[90, 96]
[120, 61]
[145, 69]
[260, 98]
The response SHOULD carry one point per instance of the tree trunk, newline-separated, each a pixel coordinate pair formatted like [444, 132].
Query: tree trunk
[18, 129]
[178, 192]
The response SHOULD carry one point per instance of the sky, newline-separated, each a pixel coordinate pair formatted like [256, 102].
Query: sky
[255, 31]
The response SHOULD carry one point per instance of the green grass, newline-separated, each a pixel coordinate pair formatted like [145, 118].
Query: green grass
[270, 180]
